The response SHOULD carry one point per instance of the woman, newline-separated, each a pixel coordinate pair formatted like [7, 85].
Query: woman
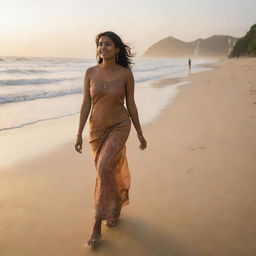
[105, 87]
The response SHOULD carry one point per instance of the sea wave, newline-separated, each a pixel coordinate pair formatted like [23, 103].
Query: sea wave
[24, 71]
[155, 76]
[21, 59]
[36, 81]
[154, 68]
[27, 96]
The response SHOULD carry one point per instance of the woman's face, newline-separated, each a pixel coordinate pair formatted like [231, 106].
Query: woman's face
[106, 48]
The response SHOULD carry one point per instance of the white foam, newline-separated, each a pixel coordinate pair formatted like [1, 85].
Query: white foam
[24, 103]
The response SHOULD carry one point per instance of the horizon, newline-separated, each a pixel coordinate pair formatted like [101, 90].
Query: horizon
[68, 30]
[140, 56]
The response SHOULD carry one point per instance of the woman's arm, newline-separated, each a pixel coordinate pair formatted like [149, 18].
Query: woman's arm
[86, 104]
[132, 109]
[85, 110]
[130, 102]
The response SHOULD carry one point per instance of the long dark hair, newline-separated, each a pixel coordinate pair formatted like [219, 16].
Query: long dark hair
[124, 54]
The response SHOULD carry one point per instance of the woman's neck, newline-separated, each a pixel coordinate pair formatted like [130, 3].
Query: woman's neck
[109, 64]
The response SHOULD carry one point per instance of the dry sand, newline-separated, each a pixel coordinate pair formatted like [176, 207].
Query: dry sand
[193, 189]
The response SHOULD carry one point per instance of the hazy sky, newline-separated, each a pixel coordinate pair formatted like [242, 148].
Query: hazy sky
[68, 28]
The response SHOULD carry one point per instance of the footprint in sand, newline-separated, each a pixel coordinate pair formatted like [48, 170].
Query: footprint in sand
[253, 89]
[189, 170]
[201, 147]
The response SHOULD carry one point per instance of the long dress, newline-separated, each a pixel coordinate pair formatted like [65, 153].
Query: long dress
[109, 128]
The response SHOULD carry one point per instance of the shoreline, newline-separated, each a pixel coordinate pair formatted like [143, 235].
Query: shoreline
[192, 190]
[17, 113]
[58, 131]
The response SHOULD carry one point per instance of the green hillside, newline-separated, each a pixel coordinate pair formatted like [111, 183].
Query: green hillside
[245, 46]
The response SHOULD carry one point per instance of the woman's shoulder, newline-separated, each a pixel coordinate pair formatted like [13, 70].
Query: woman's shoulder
[128, 74]
[125, 70]
[91, 69]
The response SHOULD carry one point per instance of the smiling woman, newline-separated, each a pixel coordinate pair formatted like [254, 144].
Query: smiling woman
[106, 45]
[106, 85]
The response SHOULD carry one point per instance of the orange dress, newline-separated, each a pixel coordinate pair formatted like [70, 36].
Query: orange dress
[109, 128]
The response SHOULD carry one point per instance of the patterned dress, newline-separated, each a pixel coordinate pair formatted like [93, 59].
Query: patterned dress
[109, 128]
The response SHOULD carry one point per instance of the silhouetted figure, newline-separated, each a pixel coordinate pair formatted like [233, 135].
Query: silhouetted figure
[189, 63]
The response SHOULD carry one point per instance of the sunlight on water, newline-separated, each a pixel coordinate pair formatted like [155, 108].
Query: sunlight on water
[42, 116]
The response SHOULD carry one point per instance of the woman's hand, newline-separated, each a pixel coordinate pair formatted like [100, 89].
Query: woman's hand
[143, 142]
[79, 143]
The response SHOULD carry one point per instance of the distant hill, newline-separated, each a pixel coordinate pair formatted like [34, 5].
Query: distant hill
[245, 46]
[217, 45]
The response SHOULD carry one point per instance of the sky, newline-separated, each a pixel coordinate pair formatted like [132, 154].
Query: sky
[62, 28]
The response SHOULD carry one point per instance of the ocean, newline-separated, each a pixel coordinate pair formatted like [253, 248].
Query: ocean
[33, 89]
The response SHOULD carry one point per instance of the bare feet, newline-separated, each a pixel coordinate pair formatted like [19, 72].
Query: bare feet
[96, 234]
[95, 239]
[111, 222]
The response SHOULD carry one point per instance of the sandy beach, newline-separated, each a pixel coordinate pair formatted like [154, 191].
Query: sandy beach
[193, 189]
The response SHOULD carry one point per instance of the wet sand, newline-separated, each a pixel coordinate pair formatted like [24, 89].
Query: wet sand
[193, 189]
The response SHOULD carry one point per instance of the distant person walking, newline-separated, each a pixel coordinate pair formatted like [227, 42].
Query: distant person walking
[189, 63]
